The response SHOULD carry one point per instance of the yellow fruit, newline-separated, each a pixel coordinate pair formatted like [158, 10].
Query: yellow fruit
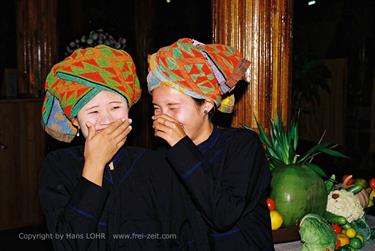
[276, 219]
[350, 232]
[344, 240]
[370, 203]
[372, 194]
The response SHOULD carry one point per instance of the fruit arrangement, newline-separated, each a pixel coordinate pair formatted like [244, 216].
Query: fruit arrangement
[345, 211]
[297, 186]
[349, 236]
[330, 214]
[343, 225]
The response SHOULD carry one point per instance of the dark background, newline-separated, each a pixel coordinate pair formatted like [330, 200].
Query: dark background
[343, 29]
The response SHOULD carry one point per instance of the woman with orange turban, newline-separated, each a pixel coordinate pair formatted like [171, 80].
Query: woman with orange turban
[91, 194]
[222, 173]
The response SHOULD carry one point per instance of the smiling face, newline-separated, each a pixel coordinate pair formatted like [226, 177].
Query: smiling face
[103, 109]
[185, 110]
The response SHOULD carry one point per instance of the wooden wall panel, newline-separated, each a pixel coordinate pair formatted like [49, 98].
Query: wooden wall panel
[20, 162]
[20, 128]
[36, 44]
[262, 31]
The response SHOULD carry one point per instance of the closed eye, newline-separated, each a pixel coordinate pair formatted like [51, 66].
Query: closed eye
[93, 112]
[173, 108]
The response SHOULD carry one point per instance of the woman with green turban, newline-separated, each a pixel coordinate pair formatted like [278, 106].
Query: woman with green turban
[91, 194]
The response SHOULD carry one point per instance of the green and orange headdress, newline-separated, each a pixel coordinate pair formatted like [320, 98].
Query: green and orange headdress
[198, 70]
[78, 78]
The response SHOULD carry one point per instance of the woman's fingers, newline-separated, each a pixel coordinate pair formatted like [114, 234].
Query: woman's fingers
[112, 135]
[168, 128]
[169, 123]
[161, 130]
[161, 134]
[91, 130]
[162, 125]
[121, 143]
[164, 117]
[122, 136]
[121, 129]
[114, 126]
[101, 147]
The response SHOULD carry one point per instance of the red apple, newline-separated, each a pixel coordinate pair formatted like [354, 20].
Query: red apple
[271, 204]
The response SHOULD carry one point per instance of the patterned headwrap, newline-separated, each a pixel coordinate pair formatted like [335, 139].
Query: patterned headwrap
[73, 82]
[198, 70]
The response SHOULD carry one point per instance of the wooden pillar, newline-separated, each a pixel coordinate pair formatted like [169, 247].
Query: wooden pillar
[36, 44]
[144, 42]
[262, 31]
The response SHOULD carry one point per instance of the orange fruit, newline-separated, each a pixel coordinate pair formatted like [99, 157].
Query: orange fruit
[344, 240]
[276, 219]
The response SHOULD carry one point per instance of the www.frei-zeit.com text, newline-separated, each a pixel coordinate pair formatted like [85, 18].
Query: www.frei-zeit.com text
[86, 236]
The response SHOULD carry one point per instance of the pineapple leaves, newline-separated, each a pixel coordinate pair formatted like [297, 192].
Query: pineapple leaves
[281, 146]
[333, 153]
[263, 136]
[312, 152]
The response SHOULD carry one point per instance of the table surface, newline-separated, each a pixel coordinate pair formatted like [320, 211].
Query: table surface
[296, 245]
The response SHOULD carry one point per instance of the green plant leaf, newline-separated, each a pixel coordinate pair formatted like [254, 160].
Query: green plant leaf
[283, 146]
[263, 136]
[292, 153]
[333, 153]
[273, 154]
[275, 163]
[295, 135]
[314, 150]
[316, 169]
[273, 133]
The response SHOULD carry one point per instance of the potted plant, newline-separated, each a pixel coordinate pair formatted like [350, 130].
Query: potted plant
[297, 185]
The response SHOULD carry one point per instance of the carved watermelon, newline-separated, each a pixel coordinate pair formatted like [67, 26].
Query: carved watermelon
[297, 191]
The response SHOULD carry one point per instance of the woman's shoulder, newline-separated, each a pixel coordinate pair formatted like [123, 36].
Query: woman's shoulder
[136, 150]
[144, 154]
[148, 161]
[240, 134]
[64, 163]
[64, 159]
[66, 154]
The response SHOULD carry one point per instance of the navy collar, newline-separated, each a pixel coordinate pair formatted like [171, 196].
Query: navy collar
[118, 163]
[118, 156]
[208, 143]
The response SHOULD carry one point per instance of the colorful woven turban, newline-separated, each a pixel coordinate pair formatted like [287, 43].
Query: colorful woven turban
[198, 70]
[78, 78]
